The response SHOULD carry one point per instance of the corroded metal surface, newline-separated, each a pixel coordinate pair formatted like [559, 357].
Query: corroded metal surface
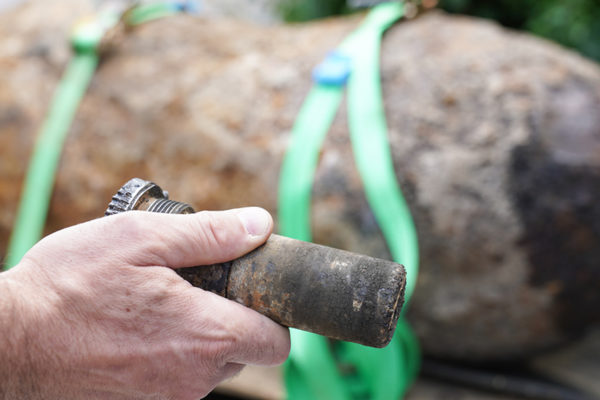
[302, 285]
[320, 289]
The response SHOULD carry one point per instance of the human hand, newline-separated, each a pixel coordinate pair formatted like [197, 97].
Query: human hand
[95, 311]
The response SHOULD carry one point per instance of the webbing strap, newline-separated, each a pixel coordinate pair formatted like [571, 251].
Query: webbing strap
[299, 165]
[40, 176]
[368, 133]
[312, 371]
[309, 350]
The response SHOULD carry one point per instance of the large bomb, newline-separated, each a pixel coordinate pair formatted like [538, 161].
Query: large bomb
[495, 137]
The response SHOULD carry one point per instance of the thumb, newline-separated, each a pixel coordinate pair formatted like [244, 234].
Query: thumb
[171, 240]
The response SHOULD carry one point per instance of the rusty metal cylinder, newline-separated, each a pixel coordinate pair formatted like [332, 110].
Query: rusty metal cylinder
[335, 293]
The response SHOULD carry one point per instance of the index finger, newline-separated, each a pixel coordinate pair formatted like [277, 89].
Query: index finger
[257, 340]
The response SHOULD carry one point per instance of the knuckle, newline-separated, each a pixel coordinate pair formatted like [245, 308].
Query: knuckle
[213, 232]
[281, 355]
[146, 245]
[155, 252]
[130, 235]
[275, 346]
[231, 370]
[127, 225]
[222, 351]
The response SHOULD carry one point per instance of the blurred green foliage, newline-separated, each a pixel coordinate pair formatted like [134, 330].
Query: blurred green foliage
[305, 10]
[572, 23]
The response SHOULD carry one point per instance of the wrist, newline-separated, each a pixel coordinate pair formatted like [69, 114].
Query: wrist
[17, 373]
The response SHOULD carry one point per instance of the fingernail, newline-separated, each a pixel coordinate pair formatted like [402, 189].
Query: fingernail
[256, 220]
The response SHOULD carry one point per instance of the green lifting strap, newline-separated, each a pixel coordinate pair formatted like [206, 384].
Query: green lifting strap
[40, 176]
[312, 371]
[368, 133]
[39, 180]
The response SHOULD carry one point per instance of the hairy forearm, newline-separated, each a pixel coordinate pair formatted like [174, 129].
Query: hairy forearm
[17, 377]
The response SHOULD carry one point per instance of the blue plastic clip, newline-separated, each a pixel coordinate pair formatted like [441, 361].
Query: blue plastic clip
[334, 70]
[187, 6]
